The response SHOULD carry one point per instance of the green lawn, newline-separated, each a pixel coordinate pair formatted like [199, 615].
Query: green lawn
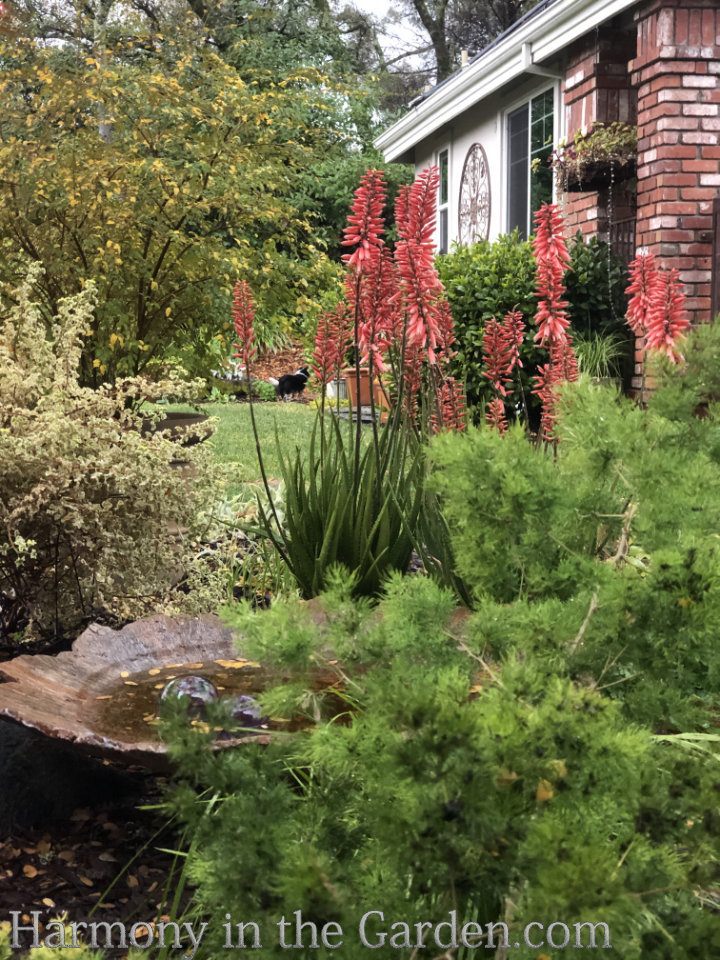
[233, 443]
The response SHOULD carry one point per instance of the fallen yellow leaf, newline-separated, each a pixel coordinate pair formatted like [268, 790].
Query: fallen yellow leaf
[544, 791]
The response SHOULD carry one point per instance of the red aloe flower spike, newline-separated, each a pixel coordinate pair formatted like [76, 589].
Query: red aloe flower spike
[401, 211]
[549, 241]
[421, 291]
[552, 321]
[667, 318]
[243, 313]
[501, 346]
[563, 361]
[545, 389]
[452, 413]
[412, 374]
[445, 331]
[514, 333]
[365, 222]
[495, 415]
[643, 277]
[376, 316]
[495, 350]
[552, 258]
[418, 208]
[331, 342]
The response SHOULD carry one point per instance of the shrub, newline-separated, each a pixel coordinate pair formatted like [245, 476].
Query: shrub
[554, 759]
[489, 279]
[620, 521]
[483, 281]
[448, 784]
[86, 499]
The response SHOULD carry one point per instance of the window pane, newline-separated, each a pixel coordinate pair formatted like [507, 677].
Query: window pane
[443, 223]
[517, 172]
[541, 145]
[443, 164]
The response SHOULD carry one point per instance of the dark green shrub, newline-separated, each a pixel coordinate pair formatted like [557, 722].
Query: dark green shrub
[488, 279]
[483, 281]
[595, 285]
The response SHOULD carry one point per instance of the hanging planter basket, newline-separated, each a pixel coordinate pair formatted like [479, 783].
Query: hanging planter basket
[598, 174]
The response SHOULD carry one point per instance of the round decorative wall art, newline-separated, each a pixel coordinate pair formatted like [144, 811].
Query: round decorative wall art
[474, 213]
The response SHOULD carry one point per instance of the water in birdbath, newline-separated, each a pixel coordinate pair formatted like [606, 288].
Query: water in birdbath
[132, 709]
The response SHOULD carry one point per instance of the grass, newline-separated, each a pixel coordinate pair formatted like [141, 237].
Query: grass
[233, 443]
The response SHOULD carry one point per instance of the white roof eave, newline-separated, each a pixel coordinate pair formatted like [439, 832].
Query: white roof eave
[547, 33]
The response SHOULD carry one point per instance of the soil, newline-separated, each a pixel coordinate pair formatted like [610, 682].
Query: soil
[73, 839]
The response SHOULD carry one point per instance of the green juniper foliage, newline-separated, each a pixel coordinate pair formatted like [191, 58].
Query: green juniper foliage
[528, 799]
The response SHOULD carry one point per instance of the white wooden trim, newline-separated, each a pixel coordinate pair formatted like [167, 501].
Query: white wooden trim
[547, 34]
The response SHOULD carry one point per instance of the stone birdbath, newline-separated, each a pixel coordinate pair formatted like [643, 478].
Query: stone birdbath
[102, 695]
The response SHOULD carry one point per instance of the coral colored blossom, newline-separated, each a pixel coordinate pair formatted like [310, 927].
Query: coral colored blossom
[666, 317]
[377, 311]
[546, 389]
[552, 258]
[331, 343]
[365, 222]
[495, 415]
[563, 361]
[501, 347]
[243, 313]
[549, 242]
[418, 209]
[421, 291]
[643, 278]
[451, 413]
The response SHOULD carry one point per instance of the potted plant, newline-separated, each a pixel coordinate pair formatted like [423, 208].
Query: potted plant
[378, 396]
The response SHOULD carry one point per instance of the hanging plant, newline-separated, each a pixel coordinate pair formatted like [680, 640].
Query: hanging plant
[608, 153]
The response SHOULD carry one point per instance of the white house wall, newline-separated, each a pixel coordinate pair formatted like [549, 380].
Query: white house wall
[484, 123]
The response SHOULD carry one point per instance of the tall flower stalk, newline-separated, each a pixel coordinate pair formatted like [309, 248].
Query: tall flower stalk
[656, 310]
[667, 319]
[553, 259]
[501, 349]
[367, 506]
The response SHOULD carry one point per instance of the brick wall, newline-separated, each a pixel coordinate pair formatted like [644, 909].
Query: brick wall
[676, 74]
[597, 89]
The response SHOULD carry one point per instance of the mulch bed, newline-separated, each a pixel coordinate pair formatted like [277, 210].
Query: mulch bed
[277, 363]
[103, 862]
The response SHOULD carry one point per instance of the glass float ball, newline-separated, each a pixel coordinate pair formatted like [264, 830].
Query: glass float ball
[197, 691]
[247, 711]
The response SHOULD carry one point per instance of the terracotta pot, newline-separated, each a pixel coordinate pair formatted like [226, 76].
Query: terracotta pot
[379, 395]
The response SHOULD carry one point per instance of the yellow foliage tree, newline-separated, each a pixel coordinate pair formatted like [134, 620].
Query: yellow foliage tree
[163, 180]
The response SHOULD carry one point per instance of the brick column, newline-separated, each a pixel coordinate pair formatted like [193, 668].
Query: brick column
[676, 73]
[597, 89]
